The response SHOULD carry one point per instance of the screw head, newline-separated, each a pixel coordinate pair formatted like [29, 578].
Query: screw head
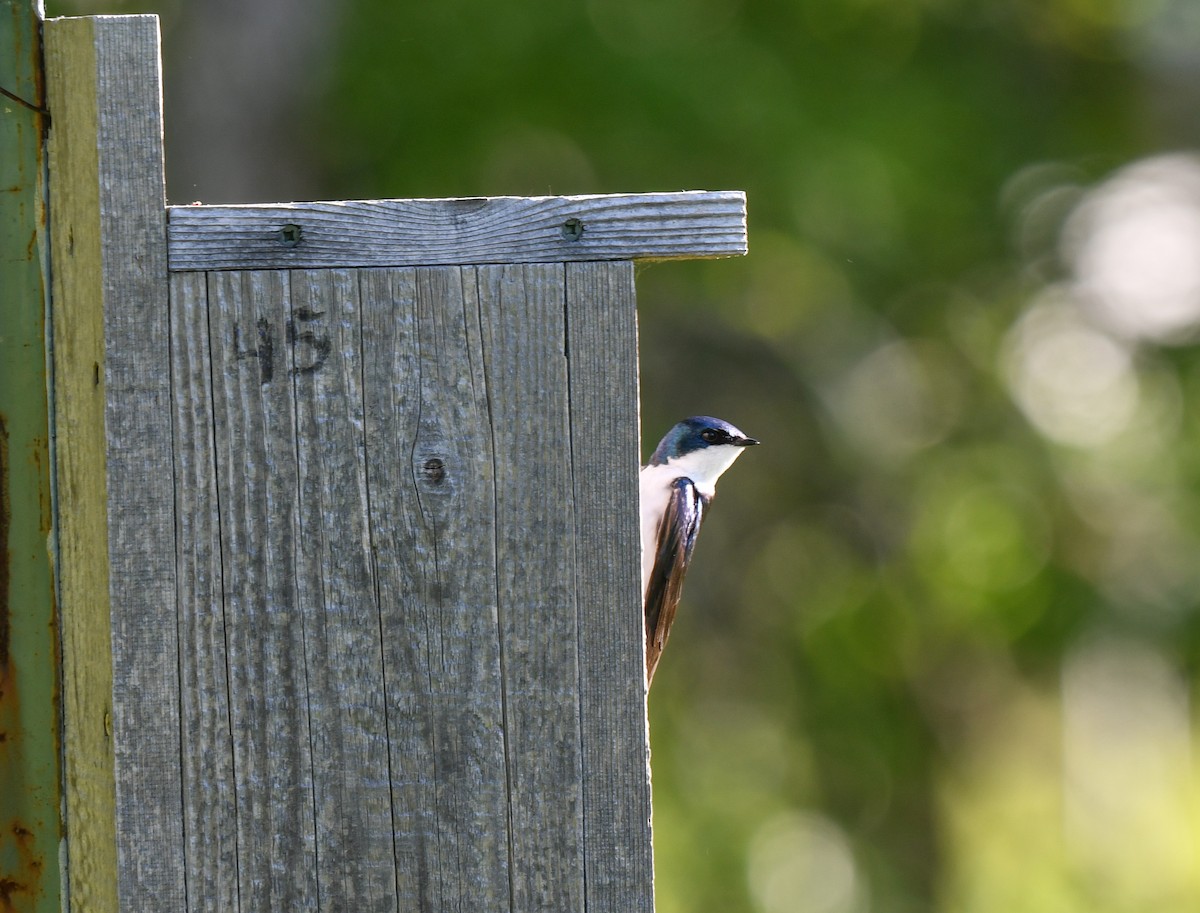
[289, 235]
[572, 229]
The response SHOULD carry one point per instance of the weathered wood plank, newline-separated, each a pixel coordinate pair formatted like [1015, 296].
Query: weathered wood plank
[337, 593]
[140, 488]
[652, 226]
[89, 778]
[266, 626]
[402, 556]
[472, 811]
[114, 443]
[424, 639]
[209, 804]
[430, 468]
[522, 315]
[602, 338]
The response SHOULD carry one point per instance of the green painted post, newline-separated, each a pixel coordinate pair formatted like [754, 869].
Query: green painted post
[29, 729]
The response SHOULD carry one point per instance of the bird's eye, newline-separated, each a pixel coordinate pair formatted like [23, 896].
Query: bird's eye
[711, 435]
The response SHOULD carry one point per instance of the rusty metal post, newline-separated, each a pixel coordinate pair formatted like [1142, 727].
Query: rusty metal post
[29, 744]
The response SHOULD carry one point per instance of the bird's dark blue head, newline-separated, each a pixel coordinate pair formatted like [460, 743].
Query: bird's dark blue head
[698, 433]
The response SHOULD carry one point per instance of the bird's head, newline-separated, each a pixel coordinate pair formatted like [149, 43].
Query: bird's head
[702, 446]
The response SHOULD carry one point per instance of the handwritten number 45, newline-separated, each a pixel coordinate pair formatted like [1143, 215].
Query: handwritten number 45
[309, 348]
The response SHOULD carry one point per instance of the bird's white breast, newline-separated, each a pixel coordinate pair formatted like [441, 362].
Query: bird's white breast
[655, 483]
[703, 467]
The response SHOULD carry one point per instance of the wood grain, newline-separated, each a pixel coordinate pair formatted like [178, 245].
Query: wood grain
[435, 697]
[430, 464]
[602, 339]
[113, 394]
[207, 758]
[89, 777]
[651, 226]
[522, 313]
[343, 655]
[266, 626]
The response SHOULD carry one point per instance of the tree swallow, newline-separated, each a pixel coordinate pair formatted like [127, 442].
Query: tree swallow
[677, 486]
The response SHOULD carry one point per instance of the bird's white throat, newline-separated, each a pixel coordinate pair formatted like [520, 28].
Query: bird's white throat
[703, 466]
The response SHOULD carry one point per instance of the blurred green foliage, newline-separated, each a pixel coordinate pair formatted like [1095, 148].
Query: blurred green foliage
[938, 648]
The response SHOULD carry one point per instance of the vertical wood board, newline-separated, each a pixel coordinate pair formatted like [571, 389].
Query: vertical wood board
[88, 776]
[602, 340]
[433, 533]
[337, 591]
[402, 593]
[523, 312]
[207, 760]
[114, 465]
[139, 463]
[254, 421]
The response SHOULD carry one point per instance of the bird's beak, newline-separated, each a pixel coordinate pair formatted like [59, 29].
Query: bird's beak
[745, 441]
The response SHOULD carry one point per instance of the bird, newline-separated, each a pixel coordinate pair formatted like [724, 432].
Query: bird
[676, 488]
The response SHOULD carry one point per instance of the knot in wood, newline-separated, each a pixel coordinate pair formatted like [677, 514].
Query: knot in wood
[434, 470]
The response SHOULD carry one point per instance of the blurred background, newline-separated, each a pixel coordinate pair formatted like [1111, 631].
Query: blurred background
[938, 649]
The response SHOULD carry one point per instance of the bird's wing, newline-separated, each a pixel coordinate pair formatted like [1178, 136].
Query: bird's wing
[673, 550]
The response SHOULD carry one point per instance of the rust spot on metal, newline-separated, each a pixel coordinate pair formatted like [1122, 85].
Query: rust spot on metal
[5, 555]
[39, 453]
[8, 888]
[9, 710]
[24, 837]
[57, 642]
[27, 878]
